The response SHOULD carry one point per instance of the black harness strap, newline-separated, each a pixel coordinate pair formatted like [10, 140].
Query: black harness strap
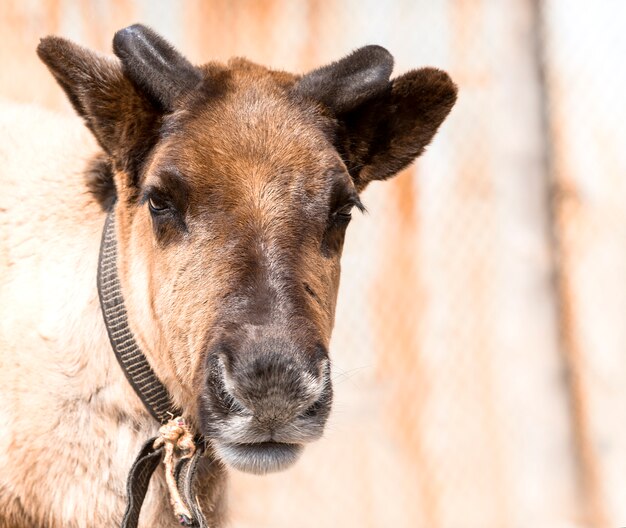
[134, 364]
[148, 387]
[138, 480]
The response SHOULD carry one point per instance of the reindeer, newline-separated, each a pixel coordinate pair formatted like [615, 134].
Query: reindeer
[231, 187]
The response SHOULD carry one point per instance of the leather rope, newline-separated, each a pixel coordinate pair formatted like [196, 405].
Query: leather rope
[180, 460]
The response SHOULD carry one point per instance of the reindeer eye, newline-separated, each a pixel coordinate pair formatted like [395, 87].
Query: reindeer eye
[156, 205]
[344, 214]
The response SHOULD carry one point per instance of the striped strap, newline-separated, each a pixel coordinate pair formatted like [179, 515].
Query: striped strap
[134, 364]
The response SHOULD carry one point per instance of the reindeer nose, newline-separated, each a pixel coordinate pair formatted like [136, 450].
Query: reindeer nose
[273, 386]
[265, 399]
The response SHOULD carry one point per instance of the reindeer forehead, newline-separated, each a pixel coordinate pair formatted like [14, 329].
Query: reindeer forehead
[253, 138]
[254, 116]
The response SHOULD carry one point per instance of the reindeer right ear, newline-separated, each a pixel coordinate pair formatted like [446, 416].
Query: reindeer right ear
[122, 120]
[122, 102]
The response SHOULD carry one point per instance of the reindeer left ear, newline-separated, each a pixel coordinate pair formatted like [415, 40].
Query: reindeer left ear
[385, 134]
[382, 125]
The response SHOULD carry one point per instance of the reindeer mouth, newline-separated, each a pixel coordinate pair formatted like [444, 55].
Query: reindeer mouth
[259, 458]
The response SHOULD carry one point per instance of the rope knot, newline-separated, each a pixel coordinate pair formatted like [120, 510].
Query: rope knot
[176, 438]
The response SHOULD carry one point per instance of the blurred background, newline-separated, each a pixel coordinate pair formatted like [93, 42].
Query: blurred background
[480, 344]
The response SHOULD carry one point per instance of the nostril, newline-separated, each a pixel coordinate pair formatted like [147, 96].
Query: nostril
[230, 402]
[321, 406]
[312, 411]
[225, 396]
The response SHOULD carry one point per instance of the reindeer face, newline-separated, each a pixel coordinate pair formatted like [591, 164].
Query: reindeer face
[234, 186]
[246, 203]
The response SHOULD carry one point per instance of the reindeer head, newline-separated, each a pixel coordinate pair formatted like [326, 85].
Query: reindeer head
[234, 186]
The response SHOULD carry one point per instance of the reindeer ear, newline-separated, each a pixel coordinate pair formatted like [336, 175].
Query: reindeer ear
[122, 119]
[382, 125]
[385, 134]
[122, 103]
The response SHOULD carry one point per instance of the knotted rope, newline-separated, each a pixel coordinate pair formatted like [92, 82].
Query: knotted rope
[179, 444]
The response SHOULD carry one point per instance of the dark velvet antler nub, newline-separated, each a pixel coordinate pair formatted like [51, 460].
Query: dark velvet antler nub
[346, 83]
[154, 65]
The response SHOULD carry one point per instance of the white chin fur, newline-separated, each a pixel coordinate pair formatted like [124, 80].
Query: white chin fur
[260, 458]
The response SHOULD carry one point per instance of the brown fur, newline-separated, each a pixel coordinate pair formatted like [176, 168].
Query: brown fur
[233, 186]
